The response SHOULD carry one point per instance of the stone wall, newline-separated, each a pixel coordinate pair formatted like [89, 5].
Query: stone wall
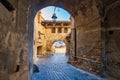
[23, 37]
[88, 38]
[8, 36]
[112, 38]
[14, 41]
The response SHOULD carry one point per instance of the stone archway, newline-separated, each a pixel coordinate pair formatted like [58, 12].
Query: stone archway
[112, 32]
[90, 41]
[67, 44]
[87, 24]
[33, 9]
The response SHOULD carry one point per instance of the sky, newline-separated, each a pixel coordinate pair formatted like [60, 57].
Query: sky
[61, 14]
[59, 43]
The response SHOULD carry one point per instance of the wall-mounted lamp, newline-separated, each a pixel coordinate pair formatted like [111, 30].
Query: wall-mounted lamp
[54, 17]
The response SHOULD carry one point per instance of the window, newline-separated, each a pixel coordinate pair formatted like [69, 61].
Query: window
[50, 24]
[52, 30]
[110, 32]
[39, 33]
[65, 30]
[39, 50]
[59, 30]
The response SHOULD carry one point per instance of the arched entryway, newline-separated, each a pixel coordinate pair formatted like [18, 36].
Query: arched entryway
[59, 47]
[80, 30]
[95, 35]
[41, 41]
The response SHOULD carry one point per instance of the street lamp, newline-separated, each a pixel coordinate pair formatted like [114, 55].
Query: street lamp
[54, 17]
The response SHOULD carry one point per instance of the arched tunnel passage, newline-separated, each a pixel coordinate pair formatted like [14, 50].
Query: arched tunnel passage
[59, 47]
[45, 33]
[97, 36]
[83, 28]
[51, 36]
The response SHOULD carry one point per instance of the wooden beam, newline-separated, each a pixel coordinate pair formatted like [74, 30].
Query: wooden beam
[7, 4]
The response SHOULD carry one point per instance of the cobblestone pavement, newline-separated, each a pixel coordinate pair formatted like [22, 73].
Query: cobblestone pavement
[55, 67]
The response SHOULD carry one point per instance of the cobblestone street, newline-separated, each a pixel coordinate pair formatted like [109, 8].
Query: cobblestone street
[55, 67]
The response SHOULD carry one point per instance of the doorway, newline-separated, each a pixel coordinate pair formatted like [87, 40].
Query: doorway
[39, 50]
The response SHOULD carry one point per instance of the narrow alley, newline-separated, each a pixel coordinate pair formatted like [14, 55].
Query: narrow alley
[55, 67]
[31, 31]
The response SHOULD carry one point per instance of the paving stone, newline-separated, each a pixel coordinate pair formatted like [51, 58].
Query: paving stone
[55, 67]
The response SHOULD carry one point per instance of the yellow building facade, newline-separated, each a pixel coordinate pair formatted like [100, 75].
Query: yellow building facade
[46, 32]
[39, 37]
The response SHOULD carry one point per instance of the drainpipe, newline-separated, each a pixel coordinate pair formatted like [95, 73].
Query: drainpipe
[103, 48]
[103, 40]
[75, 50]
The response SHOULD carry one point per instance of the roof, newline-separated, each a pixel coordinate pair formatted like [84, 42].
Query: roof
[55, 22]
